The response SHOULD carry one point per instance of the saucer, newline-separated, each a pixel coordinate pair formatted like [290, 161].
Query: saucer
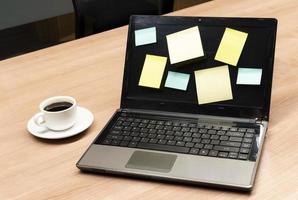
[84, 119]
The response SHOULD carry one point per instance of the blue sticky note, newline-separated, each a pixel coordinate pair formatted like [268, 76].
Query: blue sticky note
[249, 76]
[177, 80]
[145, 36]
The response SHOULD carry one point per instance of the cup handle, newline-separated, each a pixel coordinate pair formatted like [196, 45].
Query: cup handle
[40, 122]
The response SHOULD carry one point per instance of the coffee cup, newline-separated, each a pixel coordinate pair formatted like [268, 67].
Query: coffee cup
[57, 113]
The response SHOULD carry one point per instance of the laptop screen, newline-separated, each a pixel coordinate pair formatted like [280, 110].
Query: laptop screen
[249, 81]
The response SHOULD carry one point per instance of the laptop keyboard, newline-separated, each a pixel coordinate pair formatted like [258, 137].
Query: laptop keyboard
[181, 137]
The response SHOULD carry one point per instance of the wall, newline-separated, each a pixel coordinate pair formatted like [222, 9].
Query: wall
[18, 12]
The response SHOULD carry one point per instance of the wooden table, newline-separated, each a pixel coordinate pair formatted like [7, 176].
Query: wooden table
[91, 70]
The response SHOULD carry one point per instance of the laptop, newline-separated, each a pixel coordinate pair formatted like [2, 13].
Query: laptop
[170, 132]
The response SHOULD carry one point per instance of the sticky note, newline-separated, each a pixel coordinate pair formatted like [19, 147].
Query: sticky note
[145, 36]
[213, 84]
[249, 76]
[177, 80]
[152, 71]
[185, 45]
[231, 46]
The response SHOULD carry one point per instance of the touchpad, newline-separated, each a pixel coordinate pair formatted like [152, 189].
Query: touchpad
[159, 162]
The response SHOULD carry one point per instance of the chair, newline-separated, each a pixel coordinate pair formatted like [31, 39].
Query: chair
[94, 16]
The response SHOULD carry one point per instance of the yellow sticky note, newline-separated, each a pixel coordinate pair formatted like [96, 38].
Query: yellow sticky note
[152, 71]
[231, 46]
[213, 84]
[185, 45]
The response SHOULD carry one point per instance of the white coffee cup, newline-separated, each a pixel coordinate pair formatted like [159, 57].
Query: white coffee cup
[57, 118]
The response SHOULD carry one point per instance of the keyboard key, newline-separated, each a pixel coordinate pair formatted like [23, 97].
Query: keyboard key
[194, 130]
[187, 134]
[124, 143]
[160, 136]
[168, 123]
[215, 142]
[106, 141]
[234, 134]
[178, 133]
[176, 128]
[161, 132]
[169, 137]
[151, 135]
[187, 139]
[199, 145]
[162, 142]
[127, 138]
[203, 152]
[184, 124]
[171, 142]
[194, 151]
[153, 141]
[192, 125]
[223, 137]
[145, 140]
[143, 135]
[180, 143]
[223, 154]
[196, 140]
[246, 145]
[115, 132]
[213, 153]
[231, 144]
[132, 144]
[160, 122]
[244, 150]
[203, 131]
[185, 129]
[205, 136]
[136, 139]
[242, 130]
[233, 155]
[233, 129]
[159, 147]
[170, 133]
[152, 121]
[250, 130]
[247, 140]
[243, 156]
[178, 138]
[196, 135]
[189, 144]
[214, 137]
[152, 131]
[221, 132]
[212, 132]
[224, 148]
[205, 141]
[208, 146]
[135, 134]
[235, 139]
[248, 135]
[115, 142]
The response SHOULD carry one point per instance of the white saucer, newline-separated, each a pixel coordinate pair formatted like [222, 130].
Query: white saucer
[83, 121]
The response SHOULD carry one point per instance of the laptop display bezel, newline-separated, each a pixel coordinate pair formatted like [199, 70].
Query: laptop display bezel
[217, 110]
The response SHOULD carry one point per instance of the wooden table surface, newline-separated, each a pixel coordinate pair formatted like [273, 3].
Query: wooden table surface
[90, 69]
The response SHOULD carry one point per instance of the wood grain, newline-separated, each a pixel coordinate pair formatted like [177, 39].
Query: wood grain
[90, 69]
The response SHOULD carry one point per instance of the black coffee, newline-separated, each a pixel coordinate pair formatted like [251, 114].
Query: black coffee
[59, 106]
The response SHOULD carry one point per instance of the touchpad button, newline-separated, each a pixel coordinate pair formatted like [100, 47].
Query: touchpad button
[159, 162]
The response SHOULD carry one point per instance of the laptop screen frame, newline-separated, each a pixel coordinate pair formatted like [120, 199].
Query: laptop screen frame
[216, 110]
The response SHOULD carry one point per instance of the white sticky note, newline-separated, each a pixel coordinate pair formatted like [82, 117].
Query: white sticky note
[185, 45]
[249, 76]
[145, 36]
[177, 80]
[213, 84]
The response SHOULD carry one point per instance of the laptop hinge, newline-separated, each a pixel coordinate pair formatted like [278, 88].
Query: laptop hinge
[201, 118]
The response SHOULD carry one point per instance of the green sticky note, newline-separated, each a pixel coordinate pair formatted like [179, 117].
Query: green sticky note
[231, 46]
[177, 80]
[145, 36]
[249, 76]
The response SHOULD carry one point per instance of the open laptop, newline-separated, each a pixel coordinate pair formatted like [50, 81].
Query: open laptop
[166, 134]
